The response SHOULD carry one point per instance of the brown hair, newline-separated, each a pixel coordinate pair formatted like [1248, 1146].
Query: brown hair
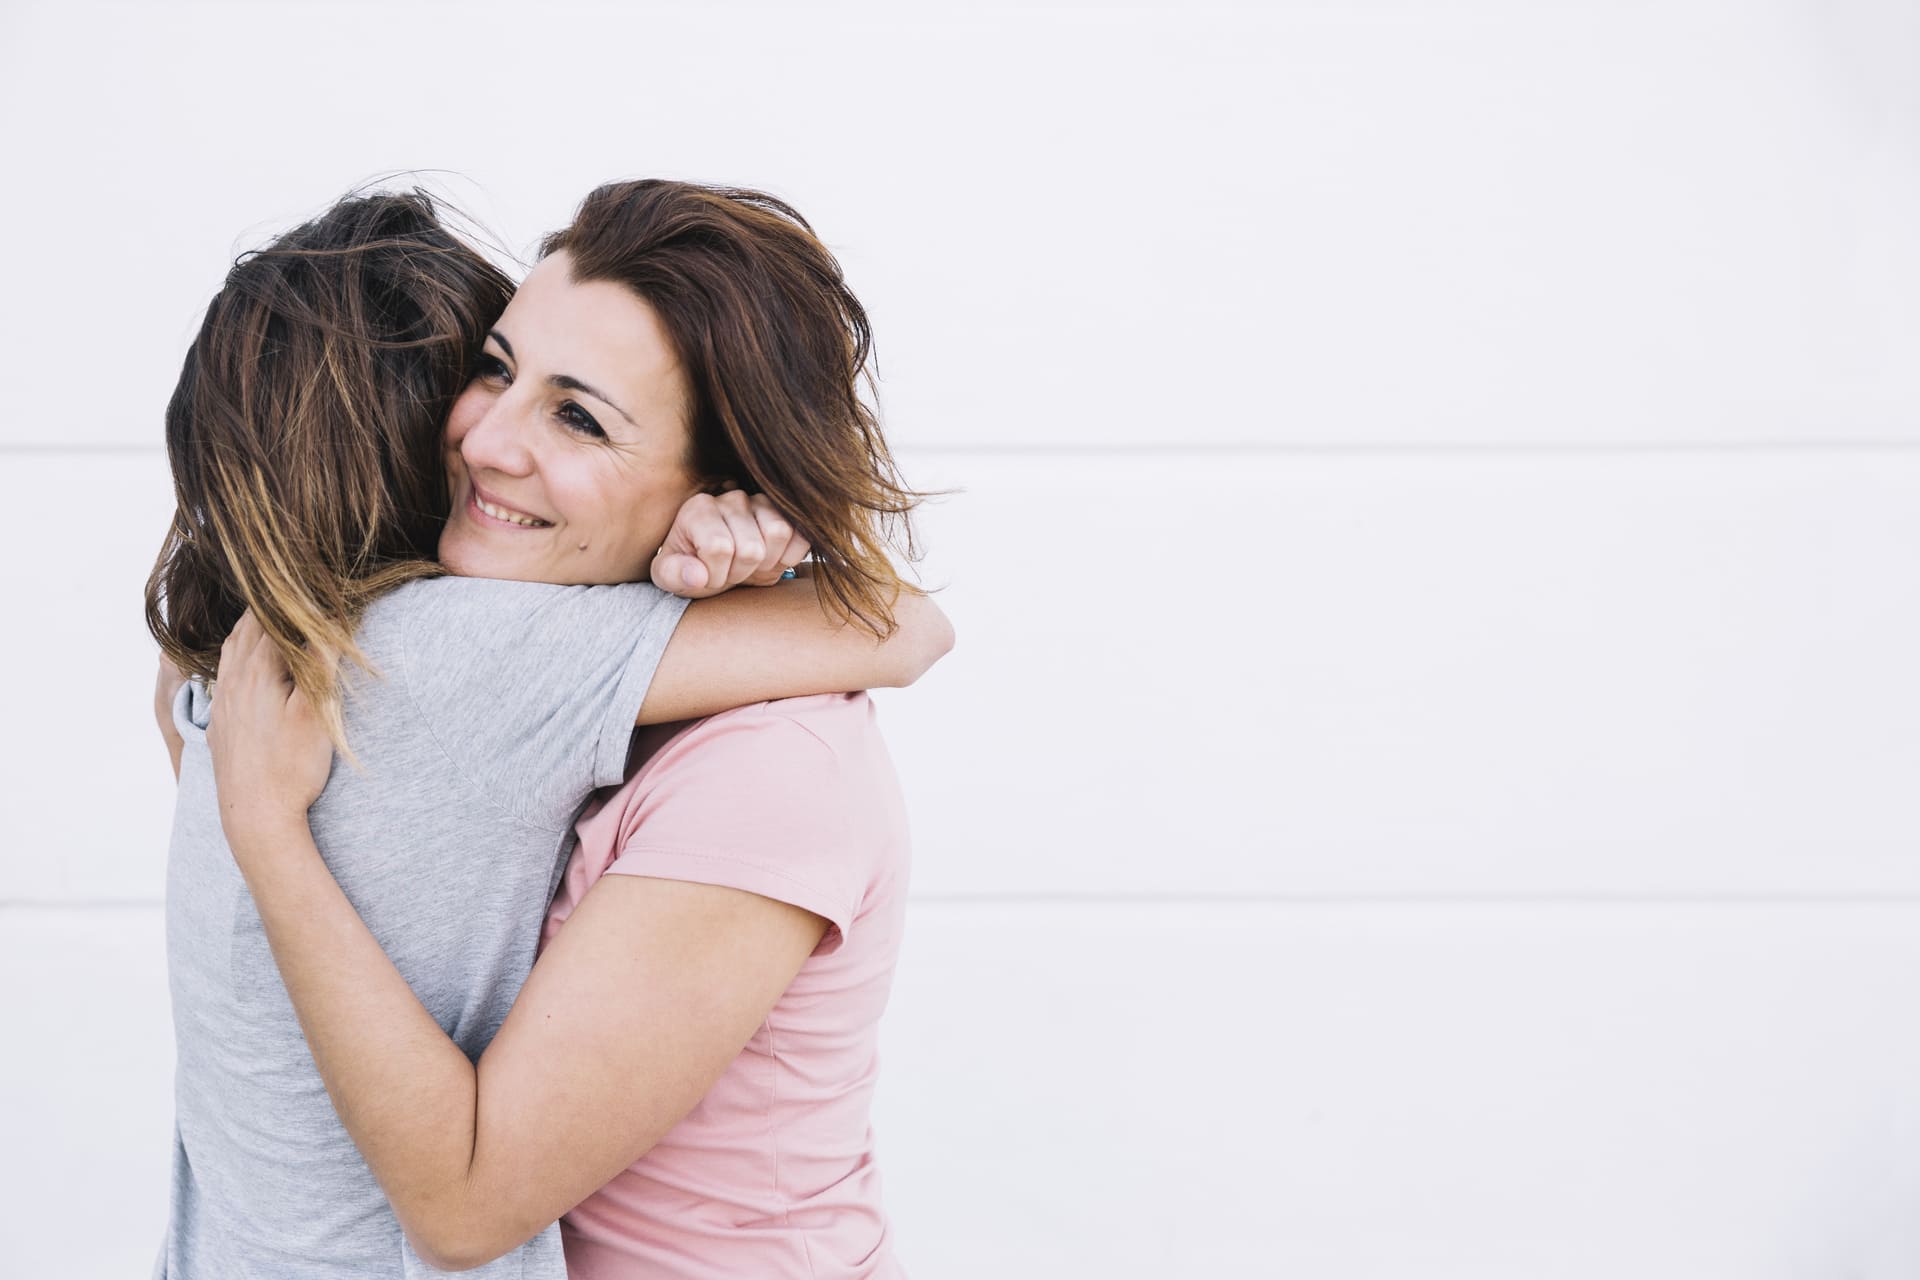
[304, 435]
[776, 349]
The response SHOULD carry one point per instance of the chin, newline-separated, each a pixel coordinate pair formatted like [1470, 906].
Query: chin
[457, 557]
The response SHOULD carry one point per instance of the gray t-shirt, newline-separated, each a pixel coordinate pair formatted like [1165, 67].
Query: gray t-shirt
[499, 707]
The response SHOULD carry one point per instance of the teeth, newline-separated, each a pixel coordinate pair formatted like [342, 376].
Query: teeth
[501, 513]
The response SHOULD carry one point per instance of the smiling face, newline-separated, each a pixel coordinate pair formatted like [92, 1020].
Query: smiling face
[567, 454]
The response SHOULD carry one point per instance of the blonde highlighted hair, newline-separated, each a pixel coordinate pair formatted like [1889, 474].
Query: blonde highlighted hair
[304, 435]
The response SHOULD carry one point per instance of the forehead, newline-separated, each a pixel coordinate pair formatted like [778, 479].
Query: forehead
[594, 330]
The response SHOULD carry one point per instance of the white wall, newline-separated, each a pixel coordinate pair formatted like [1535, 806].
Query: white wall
[1426, 783]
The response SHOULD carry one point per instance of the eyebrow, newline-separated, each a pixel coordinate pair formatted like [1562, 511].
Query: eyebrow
[565, 382]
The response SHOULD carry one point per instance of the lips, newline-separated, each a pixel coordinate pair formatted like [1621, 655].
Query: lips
[489, 508]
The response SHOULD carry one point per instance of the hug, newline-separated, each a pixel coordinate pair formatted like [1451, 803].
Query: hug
[538, 870]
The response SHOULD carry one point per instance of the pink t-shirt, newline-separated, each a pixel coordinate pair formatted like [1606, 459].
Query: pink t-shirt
[772, 1174]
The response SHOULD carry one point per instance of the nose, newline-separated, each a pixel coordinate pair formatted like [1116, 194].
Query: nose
[499, 440]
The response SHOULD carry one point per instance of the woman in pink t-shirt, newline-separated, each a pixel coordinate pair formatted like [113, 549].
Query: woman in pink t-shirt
[689, 1066]
[772, 1173]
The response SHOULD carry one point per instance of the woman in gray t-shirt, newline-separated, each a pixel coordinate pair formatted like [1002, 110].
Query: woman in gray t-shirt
[475, 712]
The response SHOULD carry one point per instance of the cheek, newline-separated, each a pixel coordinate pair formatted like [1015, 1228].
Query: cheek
[656, 504]
[581, 497]
[629, 514]
[468, 409]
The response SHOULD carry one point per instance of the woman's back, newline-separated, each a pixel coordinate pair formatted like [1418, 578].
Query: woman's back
[501, 706]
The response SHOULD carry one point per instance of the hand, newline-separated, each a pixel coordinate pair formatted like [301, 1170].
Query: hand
[724, 541]
[271, 754]
[166, 683]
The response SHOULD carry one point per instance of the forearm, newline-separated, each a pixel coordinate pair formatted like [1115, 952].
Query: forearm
[780, 642]
[642, 1002]
[404, 1090]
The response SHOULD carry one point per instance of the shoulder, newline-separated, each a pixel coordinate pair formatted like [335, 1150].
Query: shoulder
[785, 799]
[820, 755]
[834, 727]
[468, 621]
[831, 718]
[531, 688]
[455, 595]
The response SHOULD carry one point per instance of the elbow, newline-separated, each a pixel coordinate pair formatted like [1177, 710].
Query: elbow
[454, 1256]
[927, 637]
[455, 1245]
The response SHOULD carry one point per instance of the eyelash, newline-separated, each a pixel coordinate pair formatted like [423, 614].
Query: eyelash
[576, 419]
[581, 422]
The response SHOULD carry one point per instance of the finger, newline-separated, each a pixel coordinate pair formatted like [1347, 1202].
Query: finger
[772, 574]
[234, 648]
[254, 647]
[253, 638]
[682, 575]
[798, 549]
[269, 663]
[679, 565]
[785, 547]
[776, 531]
[745, 549]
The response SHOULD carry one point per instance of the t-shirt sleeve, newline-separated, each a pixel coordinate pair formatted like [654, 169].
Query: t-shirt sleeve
[531, 690]
[752, 801]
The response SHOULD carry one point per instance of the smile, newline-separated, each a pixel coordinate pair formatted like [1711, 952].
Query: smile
[505, 515]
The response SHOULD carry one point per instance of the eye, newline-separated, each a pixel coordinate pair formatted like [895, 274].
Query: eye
[492, 369]
[579, 421]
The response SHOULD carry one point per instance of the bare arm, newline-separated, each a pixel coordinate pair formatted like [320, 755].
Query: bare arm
[737, 647]
[647, 995]
[751, 645]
